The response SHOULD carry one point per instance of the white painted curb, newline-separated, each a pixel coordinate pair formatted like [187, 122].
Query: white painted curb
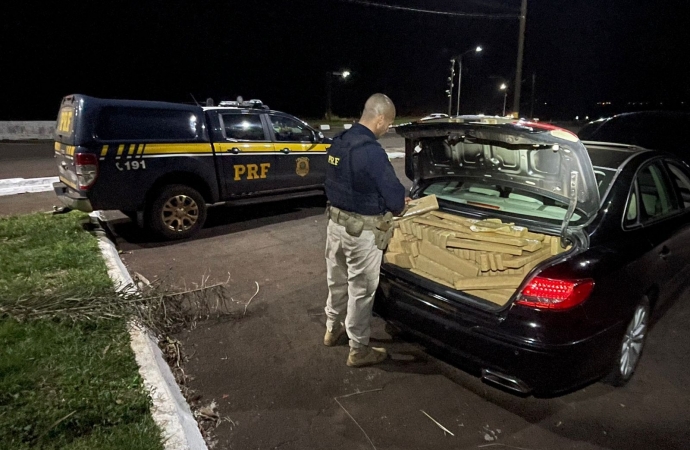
[325, 127]
[170, 410]
[11, 186]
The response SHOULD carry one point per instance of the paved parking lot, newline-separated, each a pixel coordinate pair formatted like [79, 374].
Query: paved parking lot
[279, 387]
[270, 374]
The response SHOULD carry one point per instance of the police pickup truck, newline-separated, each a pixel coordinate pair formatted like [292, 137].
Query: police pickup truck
[163, 164]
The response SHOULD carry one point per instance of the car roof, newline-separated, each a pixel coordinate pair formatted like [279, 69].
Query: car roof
[658, 130]
[611, 155]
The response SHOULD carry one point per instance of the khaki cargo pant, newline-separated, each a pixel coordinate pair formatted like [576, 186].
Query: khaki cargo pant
[352, 271]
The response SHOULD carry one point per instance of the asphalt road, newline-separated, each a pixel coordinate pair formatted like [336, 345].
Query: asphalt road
[279, 387]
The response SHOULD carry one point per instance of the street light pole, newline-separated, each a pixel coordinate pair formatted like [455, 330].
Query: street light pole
[329, 112]
[476, 50]
[457, 108]
[329, 82]
[504, 88]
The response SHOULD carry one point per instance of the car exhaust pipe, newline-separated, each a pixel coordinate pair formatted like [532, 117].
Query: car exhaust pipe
[506, 381]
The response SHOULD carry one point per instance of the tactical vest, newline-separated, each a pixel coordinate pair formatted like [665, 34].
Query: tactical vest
[340, 180]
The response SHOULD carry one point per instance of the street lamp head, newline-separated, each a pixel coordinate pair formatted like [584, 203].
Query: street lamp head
[478, 49]
[344, 74]
[503, 87]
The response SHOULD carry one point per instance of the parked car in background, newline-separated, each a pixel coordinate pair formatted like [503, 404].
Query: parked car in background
[617, 218]
[434, 116]
[657, 130]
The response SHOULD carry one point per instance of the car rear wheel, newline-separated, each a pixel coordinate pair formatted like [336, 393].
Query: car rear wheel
[631, 345]
[177, 212]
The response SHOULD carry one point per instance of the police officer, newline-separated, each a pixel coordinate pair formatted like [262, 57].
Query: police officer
[363, 193]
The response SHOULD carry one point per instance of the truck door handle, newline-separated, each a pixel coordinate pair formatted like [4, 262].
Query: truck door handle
[285, 150]
[665, 251]
[234, 150]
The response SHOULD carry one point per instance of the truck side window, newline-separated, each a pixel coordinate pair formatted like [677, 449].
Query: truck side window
[290, 130]
[146, 124]
[243, 127]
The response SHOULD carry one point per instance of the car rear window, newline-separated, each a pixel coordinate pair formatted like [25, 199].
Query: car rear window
[146, 124]
[500, 198]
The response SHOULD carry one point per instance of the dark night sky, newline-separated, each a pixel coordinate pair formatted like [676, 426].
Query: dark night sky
[582, 51]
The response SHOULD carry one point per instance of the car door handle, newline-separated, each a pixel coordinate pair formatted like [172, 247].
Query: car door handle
[285, 150]
[665, 251]
[234, 150]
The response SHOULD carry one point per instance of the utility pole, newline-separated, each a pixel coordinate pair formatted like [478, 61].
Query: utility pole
[534, 82]
[521, 45]
[457, 109]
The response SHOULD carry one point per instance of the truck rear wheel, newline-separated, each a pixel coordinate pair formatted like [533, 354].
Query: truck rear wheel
[177, 212]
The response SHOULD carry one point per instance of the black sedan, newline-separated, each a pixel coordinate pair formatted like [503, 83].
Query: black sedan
[617, 217]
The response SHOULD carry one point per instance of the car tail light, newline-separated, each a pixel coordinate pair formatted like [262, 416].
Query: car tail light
[86, 168]
[548, 293]
[545, 127]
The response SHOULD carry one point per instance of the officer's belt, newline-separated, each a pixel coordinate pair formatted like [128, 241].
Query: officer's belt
[341, 217]
[382, 226]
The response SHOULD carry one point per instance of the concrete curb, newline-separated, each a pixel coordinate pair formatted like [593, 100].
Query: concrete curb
[11, 186]
[27, 129]
[170, 410]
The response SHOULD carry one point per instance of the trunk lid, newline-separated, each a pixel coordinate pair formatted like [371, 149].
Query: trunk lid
[523, 157]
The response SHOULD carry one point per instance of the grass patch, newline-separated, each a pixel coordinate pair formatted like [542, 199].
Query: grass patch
[65, 382]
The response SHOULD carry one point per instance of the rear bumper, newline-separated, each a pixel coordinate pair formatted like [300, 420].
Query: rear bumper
[520, 363]
[71, 198]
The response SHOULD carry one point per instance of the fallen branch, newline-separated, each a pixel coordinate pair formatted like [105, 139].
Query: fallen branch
[439, 425]
[250, 300]
[54, 424]
[359, 392]
[501, 445]
[350, 416]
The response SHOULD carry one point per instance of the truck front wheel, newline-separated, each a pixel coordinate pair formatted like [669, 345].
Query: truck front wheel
[177, 212]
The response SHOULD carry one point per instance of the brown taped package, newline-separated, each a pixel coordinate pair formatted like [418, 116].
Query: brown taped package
[420, 206]
[488, 259]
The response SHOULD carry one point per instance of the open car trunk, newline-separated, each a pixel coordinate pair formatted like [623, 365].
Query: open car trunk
[486, 258]
[538, 174]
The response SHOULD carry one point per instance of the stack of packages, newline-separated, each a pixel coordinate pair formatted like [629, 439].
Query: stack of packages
[485, 258]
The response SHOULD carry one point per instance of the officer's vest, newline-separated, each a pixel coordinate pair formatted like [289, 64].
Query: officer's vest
[339, 184]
